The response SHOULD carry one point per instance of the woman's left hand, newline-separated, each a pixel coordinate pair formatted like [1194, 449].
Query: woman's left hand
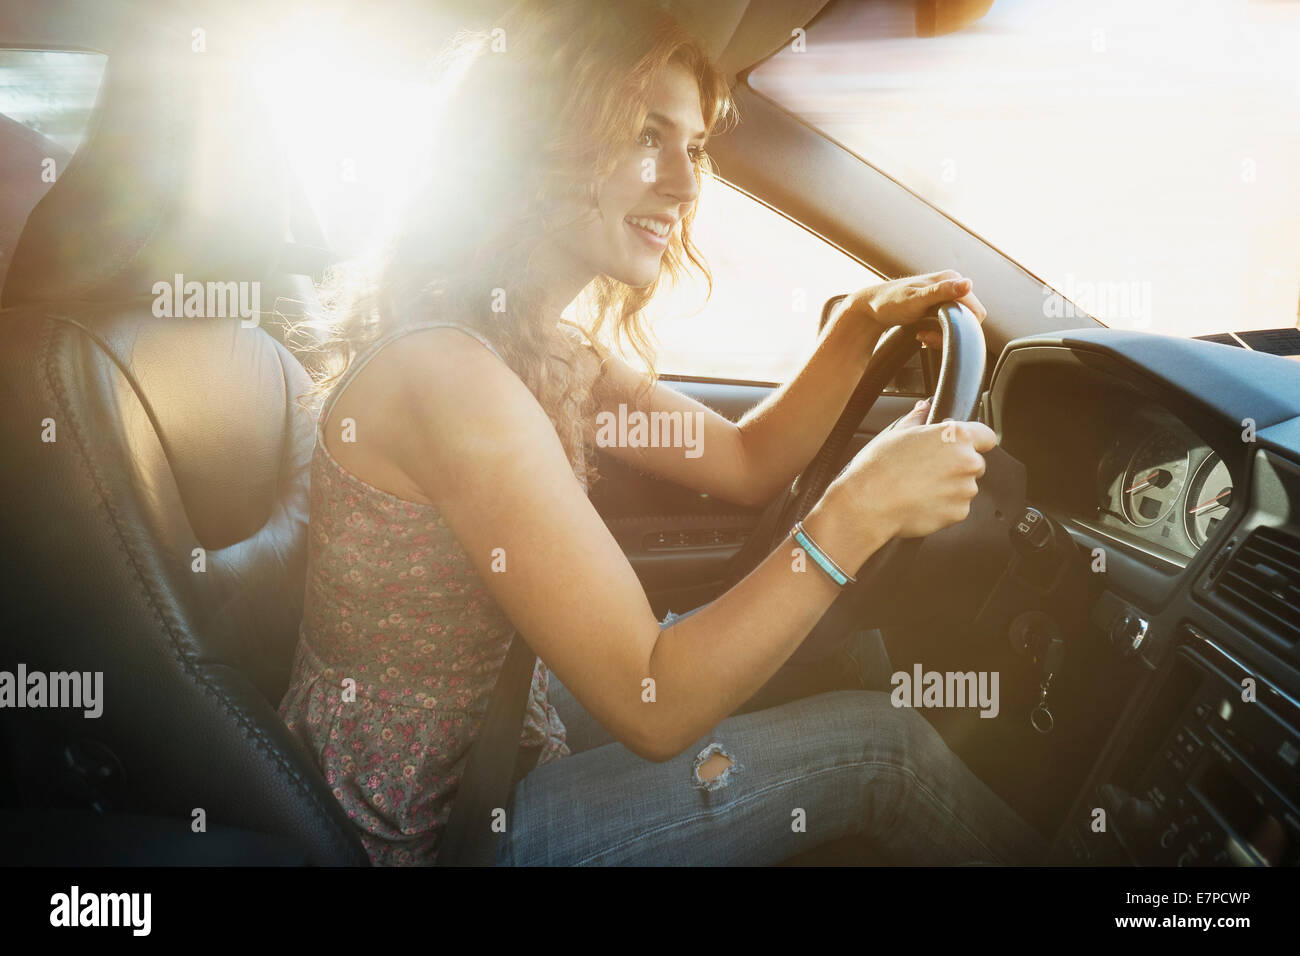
[901, 301]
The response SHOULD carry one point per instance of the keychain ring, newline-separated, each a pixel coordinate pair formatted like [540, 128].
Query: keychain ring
[1037, 722]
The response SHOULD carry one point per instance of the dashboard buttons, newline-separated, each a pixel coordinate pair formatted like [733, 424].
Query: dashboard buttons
[1128, 631]
[1288, 754]
[678, 540]
[1176, 761]
[1043, 546]
[1167, 838]
[1031, 531]
[1188, 741]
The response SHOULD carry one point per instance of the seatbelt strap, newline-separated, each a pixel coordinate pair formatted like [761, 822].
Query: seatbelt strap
[487, 784]
[759, 544]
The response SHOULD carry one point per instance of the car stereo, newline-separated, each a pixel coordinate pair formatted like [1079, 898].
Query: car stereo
[1210, 777]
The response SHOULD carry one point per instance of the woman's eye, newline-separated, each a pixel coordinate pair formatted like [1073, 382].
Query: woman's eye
[649, 139]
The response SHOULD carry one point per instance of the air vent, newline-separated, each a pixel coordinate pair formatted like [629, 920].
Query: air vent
[1262, 582]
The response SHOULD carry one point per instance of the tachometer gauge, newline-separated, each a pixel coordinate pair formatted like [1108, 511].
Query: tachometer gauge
[1209, 496]
[1154, 480]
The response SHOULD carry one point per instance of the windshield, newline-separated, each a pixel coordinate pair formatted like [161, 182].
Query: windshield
[1142, 158]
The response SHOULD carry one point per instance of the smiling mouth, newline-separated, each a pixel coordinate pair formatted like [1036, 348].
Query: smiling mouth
[652, 229]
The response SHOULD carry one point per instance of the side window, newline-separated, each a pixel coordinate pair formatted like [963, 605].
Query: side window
[770, 279]
[46, 101]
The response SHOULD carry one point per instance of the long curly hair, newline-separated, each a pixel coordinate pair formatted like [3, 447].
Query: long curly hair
[546, 104]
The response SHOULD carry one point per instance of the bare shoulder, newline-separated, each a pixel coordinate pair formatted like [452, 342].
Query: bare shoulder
[455, 382]
[444, 360]
[382, 410]
[456, 356]
[464, 412]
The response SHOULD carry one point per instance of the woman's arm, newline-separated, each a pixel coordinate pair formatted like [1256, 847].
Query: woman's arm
[751, 461]
[747, 462]
[474, 439]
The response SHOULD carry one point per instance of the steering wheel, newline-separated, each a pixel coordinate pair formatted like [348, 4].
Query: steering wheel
[961, 375]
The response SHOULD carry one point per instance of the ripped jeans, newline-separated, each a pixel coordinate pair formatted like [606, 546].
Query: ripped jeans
[844, 763]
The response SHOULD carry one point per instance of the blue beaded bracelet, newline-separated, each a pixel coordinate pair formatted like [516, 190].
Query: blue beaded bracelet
[817, 554]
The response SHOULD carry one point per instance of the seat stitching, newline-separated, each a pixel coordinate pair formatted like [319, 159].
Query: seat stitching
[243, 720]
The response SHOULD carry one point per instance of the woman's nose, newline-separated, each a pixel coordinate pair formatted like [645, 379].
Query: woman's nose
[678, 178]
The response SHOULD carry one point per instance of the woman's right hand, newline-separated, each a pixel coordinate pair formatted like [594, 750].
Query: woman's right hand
[916, 481]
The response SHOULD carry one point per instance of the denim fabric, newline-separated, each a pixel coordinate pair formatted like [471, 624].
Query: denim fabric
[844, 763]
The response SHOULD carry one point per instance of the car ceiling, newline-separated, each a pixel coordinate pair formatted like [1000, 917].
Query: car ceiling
[737, 33]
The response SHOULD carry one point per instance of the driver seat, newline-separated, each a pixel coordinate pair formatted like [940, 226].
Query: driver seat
[156, 493]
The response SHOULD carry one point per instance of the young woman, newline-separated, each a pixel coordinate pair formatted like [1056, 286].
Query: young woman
[449, 500]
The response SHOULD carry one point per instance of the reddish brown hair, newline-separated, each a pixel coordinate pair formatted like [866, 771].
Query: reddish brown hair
[548, 102]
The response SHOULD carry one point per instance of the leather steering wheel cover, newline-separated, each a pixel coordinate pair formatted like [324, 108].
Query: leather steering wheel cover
[961, 371]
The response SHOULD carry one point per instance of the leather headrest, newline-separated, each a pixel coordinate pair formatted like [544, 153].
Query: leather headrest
[180, 173]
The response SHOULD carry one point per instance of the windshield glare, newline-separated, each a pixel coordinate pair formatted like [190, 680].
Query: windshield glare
[1141, 158]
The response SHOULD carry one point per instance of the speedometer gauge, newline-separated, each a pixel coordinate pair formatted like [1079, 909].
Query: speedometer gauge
[1154, 480]
[1209, 496]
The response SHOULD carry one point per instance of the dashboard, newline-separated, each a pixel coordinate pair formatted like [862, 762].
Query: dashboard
[1174, 466]
[1145, 468]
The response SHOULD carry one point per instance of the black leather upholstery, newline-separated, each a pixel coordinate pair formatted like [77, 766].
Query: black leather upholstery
[172, 434]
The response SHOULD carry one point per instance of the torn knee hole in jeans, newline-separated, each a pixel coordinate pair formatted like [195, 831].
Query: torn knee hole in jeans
[713, 768]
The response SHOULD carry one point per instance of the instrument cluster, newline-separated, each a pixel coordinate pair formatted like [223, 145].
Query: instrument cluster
[1161, 484]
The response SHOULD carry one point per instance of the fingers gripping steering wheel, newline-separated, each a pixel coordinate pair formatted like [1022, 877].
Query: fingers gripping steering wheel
[961, 376]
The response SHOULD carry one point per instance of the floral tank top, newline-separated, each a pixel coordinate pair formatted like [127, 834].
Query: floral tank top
[394, 604]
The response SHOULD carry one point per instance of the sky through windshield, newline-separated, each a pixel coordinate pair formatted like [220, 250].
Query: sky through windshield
[1143, 158]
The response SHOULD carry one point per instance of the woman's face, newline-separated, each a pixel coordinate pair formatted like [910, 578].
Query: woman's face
[642, 202]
